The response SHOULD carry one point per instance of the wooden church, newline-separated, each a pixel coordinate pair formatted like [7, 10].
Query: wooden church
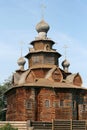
[45, 91]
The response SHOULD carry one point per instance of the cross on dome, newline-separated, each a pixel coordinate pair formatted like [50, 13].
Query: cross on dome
[42, 10]
[65, 63]
[65, 47]
[21, 61]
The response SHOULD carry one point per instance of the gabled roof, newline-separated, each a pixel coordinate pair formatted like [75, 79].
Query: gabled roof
[47, 80]
[23, 77]
[50, 72]
[47, 83]
[72, 79]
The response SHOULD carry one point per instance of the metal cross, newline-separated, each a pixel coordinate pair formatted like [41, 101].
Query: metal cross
[65, 47]
[42, 10]
[21, 43]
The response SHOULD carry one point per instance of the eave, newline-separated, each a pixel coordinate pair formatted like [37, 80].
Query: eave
[42, 51]
[42, 40]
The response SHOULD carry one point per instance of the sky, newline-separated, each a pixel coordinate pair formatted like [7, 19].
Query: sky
[68, 26]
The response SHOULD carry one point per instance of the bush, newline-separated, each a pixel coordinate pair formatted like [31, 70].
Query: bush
[8, 127]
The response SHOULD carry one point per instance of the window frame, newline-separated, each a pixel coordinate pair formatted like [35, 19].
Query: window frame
[47, 103]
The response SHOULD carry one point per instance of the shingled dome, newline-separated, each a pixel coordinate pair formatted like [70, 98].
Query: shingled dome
[65, 63]
[21, 62]
[42, 26]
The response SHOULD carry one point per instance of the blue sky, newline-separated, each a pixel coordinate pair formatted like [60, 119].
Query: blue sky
[68, 25]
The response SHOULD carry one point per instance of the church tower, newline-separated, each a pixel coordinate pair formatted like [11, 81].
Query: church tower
[45, 91]
[42, 52]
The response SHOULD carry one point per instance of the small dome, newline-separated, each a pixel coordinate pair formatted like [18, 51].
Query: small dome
[65, 63]
[21, 61]
[42, 26]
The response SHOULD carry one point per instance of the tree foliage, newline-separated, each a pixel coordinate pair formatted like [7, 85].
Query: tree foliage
[3, 87]
[6, 85]
[8, 127]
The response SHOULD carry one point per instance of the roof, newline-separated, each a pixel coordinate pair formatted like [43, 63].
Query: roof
[43, 51]
[42, 66]
[50, 72]
[48, 84]
[21, 80]
[46, 81]
[70, 78]
[43, 40]
[24, 75]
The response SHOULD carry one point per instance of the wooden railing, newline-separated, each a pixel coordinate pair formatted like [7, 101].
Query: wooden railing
[21, 125]
[54, 125]
[60, 125]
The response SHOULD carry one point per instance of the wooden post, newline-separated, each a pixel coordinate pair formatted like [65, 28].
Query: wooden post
[71, 124]
[52, 124]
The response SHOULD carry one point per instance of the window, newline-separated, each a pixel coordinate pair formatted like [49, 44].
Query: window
[56, 104]
[86, 108]
[61, 103]
[49, 59]
[85, 99]
[47, 103]
[83, 107]
[28, 104]
[68, 104]
[35, 59]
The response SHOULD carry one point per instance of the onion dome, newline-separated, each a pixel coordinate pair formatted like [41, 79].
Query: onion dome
[42, 28]
[65, 65]
[21, 62]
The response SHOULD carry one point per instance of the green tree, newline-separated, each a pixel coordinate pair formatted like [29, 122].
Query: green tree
[8, 127]
[7, 83]
[4, 87]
